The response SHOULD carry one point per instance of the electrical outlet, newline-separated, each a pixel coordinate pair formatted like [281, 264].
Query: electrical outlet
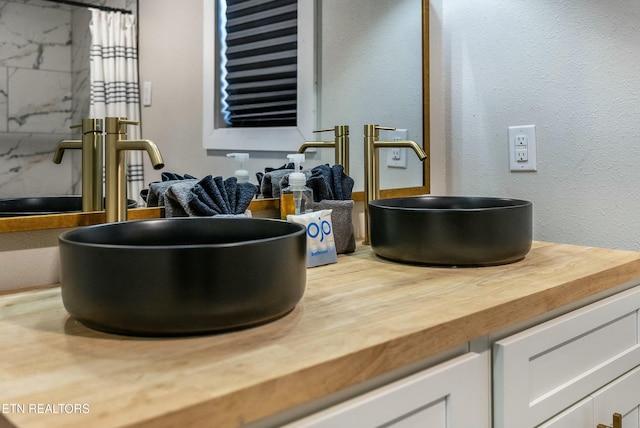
[397, 156]
[522, 148]
[522, 155]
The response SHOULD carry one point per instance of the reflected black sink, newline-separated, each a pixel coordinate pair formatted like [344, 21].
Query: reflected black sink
[182, 276]
[451, 230]
[41, 205]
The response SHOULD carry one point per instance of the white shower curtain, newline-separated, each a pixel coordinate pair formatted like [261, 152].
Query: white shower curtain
[115, 92]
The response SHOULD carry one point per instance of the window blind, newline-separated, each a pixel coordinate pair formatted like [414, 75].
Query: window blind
[259, 62]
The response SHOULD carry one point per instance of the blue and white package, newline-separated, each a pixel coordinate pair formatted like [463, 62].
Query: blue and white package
[321, 246]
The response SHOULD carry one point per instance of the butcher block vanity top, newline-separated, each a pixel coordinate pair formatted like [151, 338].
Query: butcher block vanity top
[360, 318]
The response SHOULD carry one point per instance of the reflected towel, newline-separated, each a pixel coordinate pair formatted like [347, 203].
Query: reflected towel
[327, 183]
[341, 219]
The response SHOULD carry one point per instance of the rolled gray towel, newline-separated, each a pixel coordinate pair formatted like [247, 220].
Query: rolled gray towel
[245, 193]
[342, 183]
[176, 198]
[341, 219]
[157, 191]
[321, 181]
[271, 182]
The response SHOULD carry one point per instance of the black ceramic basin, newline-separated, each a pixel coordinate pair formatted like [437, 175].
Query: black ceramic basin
[182, 276]
[451, 230]
[41, 205]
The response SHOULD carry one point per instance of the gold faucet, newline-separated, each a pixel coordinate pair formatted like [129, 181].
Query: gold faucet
[340, 144]
[372, 166]
[116, 165]
[91, 146]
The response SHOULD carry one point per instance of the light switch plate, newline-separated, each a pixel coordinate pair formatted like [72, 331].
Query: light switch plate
[146, 94]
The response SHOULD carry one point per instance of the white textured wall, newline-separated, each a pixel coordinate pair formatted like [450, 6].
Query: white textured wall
[371, 73]
[29, 259]
[353, 91]
[572, 68]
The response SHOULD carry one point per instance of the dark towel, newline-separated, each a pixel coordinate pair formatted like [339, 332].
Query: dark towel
[321, 182]
[271, 182]
[145, 194]
[342, 183]
[327, 183]
[157, 194]
[215, 196]
[341, 219]
[167, 176]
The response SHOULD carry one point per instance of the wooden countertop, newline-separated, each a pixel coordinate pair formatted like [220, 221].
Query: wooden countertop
[359, 318]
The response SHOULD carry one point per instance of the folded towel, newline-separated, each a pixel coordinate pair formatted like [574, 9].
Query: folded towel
[156, 190]
[327, 183]
[156, 196]
[321, 182]
[341, 219]
[271, 185]
[215, 196]
[342, 183]
[176, 198]
[167, 176]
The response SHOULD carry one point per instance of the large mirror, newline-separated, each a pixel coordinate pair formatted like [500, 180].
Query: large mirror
[170, 54]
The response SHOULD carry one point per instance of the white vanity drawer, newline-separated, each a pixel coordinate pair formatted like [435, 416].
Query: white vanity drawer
[453, 394]
[546, 369]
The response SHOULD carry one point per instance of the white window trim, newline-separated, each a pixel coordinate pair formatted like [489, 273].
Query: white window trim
[279, 139]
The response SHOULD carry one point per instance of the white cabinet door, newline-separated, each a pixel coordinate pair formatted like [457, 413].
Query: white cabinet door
[620, 396]
[578, 416]
[454, 394]
[548, 368]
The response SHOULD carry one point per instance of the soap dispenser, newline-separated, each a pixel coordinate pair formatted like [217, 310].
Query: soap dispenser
[241, 174]
[296, 198]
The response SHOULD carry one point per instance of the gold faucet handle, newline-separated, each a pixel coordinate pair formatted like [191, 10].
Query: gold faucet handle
[338, 130]
[385, 128]
[77, 125]
[324, 130]
[128, 122]
[118, 125]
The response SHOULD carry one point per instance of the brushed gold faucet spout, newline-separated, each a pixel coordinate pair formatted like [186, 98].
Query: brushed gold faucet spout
[403, 143]
[144, 145]
[116, 165]
[372, 166]
[319, 144]
[65, 145]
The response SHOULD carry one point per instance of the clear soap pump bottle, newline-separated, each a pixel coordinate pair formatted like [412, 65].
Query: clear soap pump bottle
[241, 174]
[296, 198]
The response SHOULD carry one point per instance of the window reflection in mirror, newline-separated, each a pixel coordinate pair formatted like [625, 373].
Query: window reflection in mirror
[258, 63]
[217, 134]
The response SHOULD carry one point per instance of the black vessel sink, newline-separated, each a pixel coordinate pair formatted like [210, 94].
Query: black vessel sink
[451, 230]
[41, 205]
[181, 276]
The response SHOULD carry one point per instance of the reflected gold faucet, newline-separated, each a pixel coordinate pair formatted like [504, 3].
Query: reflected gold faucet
[91, 146]
[372, 166]
[116, 165]
[340, 144]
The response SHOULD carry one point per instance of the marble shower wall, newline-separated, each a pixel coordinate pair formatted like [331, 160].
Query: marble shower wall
[44, 89]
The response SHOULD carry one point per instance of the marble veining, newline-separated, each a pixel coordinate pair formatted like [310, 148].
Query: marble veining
[26, 167]
[44, 89]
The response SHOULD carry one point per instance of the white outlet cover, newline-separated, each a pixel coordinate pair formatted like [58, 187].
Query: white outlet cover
[531, 163]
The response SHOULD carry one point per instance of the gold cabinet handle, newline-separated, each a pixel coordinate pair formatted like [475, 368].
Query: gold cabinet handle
[617, 422]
